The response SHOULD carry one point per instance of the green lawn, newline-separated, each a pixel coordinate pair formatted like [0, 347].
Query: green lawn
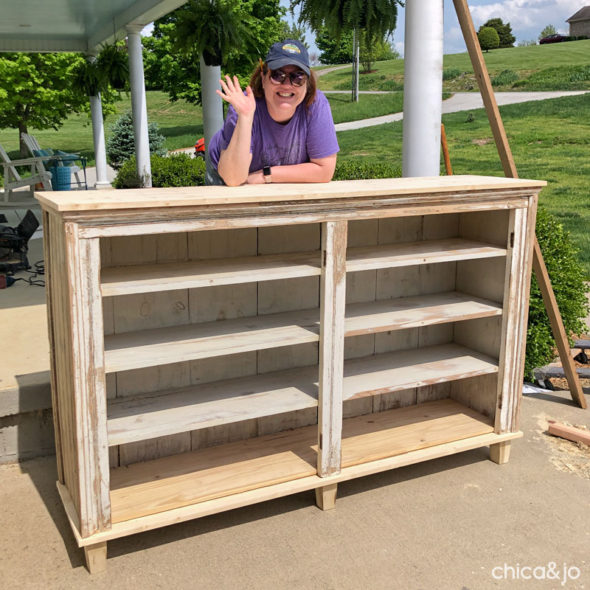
[550, 140]
[559, 66]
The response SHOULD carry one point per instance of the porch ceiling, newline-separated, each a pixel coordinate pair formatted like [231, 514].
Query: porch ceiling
[73, 25]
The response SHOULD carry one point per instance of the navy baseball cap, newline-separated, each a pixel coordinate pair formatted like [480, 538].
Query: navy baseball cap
[289, 52]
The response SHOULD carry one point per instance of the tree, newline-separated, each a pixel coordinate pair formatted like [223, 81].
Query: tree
[504, 31]
[334, 50]
[375, 18]
[36, 91]
[548, 30]
[374, 50]
[488, 38]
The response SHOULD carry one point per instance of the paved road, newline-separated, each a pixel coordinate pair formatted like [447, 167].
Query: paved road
[463, 101]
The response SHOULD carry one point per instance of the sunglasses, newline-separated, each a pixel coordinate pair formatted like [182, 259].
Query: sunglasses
[297, 78]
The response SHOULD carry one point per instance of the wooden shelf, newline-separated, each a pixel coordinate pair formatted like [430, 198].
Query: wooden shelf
[211, 404]
[233, 400]
[148, 278]
[413, 312]
[161, 346]
[165, 484]
[147, 348]
[396, 371]
[424, 252]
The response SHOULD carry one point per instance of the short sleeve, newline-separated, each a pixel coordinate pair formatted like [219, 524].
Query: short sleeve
[321, 133]
[221, 139]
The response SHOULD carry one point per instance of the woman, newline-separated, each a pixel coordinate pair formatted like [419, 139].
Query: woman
[280, 129]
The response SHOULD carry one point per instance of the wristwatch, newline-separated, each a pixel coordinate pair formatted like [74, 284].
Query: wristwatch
[266, 174]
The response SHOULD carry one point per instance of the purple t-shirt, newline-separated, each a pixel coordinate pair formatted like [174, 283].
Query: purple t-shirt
[309, 134]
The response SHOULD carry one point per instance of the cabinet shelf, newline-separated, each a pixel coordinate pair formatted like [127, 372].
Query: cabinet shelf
[233, 400]
[413, 312]
[148, 348]
[424, 252]
[405, 369]
[154, 486]
[149, 278]
[211, 404]
[134, 350]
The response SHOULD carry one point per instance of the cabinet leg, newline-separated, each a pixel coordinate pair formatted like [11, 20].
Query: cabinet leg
[325, 497]
[500, 452]
[96, 557]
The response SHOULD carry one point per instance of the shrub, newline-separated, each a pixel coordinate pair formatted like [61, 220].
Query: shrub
[176, 170]
[451, 73]
[505, 78]
[121, 143]
[488, 38]
[361, 170]
[567, 280]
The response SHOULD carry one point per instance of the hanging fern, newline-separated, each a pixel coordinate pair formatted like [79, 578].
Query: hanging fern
[377, 18]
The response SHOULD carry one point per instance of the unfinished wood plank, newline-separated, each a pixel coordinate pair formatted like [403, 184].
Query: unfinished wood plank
[396, 371]
[169, 483]
[422, 252]
[376, 436]
[413, 312]
[569, 432]
[212, 404]
[167, 198]
[332, 305]
[96, 557]
[325, 497]
[500, 452]
[147, 278]
[209, 339]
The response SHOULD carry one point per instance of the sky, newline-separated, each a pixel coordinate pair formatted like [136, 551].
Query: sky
[526, 17]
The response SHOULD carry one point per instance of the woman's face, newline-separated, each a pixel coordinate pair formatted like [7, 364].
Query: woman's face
[282, 99]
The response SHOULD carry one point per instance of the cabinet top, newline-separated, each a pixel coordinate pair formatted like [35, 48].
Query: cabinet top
[102, 200]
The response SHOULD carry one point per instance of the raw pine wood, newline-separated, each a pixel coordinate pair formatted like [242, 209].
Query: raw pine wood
[325, 497]
[333, 300]
[445, 151]
[169, 483]
[96, 557]
[162, 199]
[422, 252]
[569, 432]
[396, 371]
[500, 452]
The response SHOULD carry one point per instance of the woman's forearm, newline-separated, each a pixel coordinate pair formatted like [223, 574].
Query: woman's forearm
[320, 170]
[234, 161]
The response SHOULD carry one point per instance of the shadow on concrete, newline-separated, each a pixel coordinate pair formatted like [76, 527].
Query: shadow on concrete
[43, 474]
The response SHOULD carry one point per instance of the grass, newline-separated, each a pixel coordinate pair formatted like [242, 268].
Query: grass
[368, 106]
[559, 66]
[550, 140]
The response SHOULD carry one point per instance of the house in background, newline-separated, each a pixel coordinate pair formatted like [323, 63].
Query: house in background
[580, 23]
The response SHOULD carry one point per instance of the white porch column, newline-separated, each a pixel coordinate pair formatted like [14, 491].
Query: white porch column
[212, 102]
[423, 56]
[138, 104]
[100, 154]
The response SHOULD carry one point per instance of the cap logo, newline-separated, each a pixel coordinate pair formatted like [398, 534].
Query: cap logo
[289, 47]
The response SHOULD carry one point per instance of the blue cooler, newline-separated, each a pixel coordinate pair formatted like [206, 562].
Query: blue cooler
[61, 178]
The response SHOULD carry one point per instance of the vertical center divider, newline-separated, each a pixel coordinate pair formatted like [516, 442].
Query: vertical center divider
[331, 368]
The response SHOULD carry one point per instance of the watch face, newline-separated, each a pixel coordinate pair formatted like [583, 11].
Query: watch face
[266, 171]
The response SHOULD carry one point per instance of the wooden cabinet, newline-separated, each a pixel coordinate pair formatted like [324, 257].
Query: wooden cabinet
[215, 347]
